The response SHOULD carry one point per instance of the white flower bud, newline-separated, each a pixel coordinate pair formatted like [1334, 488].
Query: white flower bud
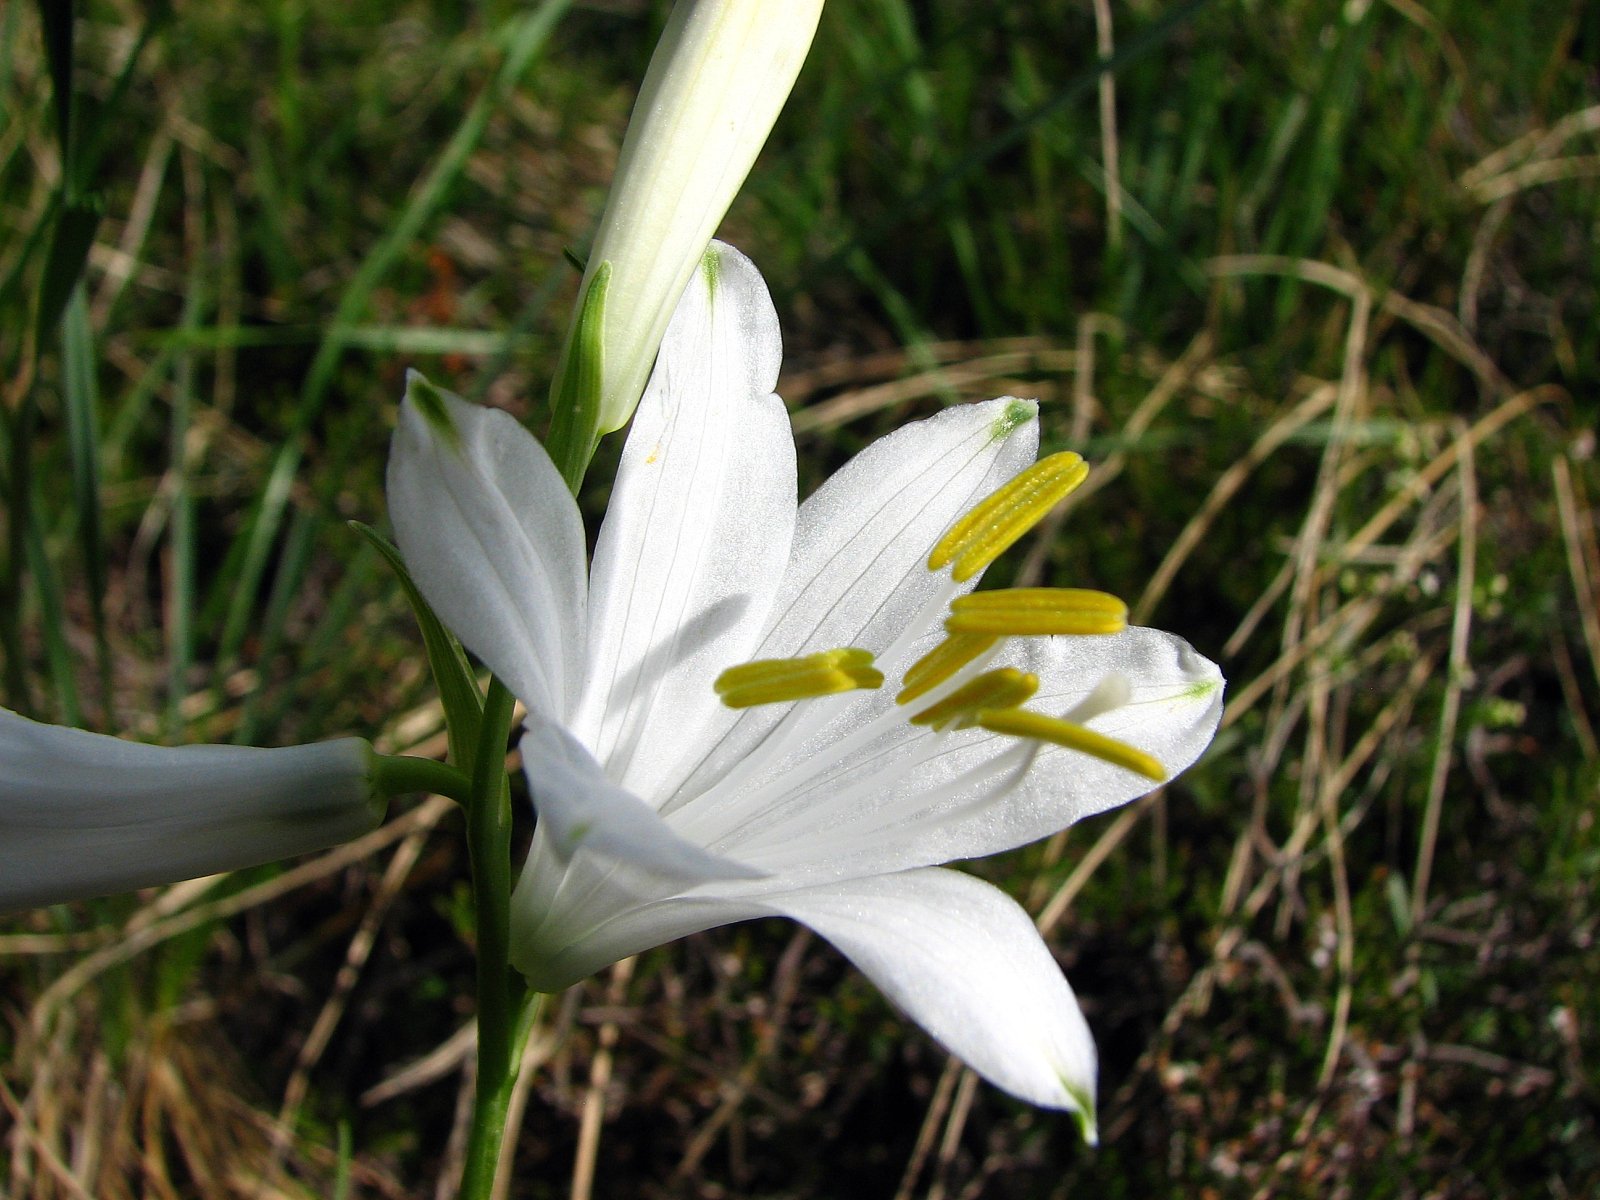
[717, 80]
[83, 814]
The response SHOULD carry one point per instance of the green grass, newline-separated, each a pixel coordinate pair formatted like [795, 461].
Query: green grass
[1332, 348]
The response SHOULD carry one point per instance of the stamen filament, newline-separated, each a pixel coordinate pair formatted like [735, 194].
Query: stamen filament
[779, 680]
[1017, 722]
[1037, 611]
[1006, 687]
[995, 523]
[942, 662]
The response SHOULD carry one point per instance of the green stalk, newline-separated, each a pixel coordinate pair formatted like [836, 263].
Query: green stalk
[502, 997]
[403, 774]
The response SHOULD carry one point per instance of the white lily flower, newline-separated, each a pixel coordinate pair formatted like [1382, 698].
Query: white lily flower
[83, 814]
[824, 796]
[715, 85]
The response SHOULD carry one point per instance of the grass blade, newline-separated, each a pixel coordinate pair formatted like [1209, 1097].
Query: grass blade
[525, 36]
[81, 401]
[52, 621]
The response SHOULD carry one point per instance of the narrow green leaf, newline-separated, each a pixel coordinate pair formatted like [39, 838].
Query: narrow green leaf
[56, 17]
[380, 339]
[575, 402]
[458, 690]
[70, 240]
[52, 618]
[81, 399]
[181, 529]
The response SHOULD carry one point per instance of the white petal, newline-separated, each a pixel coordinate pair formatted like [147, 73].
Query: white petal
[82, 814]
[857, 575]
[571, 919]
[581, 810]
[696, 534]
[493, 539]
[963, 960]
[921, 798]
[1172, 711]
[957, 955]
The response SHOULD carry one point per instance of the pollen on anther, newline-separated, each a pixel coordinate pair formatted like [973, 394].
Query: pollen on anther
[1005, 687]
[779, 680]
[941, 663]
[994, 524]
[1036, 612]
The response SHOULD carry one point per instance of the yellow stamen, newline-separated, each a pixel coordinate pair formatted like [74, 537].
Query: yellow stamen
[940, 663]
[996, 522]
[1003, 688]
[1026, 612]
[778, 680]
[1018, 723]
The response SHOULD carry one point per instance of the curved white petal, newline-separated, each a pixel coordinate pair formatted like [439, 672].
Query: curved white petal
[83, 814]
[957, 955]
[857, 575]
[569, 920]
[696, 534]
[493, 540]
[1175, 702]
[914, 798]
[580, 809]
[1173, 706]
[964, 961]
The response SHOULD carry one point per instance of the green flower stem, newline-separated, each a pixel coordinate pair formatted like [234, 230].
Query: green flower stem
[502, 996]
[402, 774]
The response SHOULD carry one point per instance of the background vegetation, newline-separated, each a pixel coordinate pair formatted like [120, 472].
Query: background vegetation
[1313, 283]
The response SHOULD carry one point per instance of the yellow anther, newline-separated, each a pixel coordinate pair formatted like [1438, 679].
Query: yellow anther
[1003, 688]
[1018, 723]
[1031, 612]
[940, 663]
[996, 522]
[779, 680]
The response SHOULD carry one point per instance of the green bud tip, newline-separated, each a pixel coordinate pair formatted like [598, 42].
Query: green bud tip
[429, 401]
